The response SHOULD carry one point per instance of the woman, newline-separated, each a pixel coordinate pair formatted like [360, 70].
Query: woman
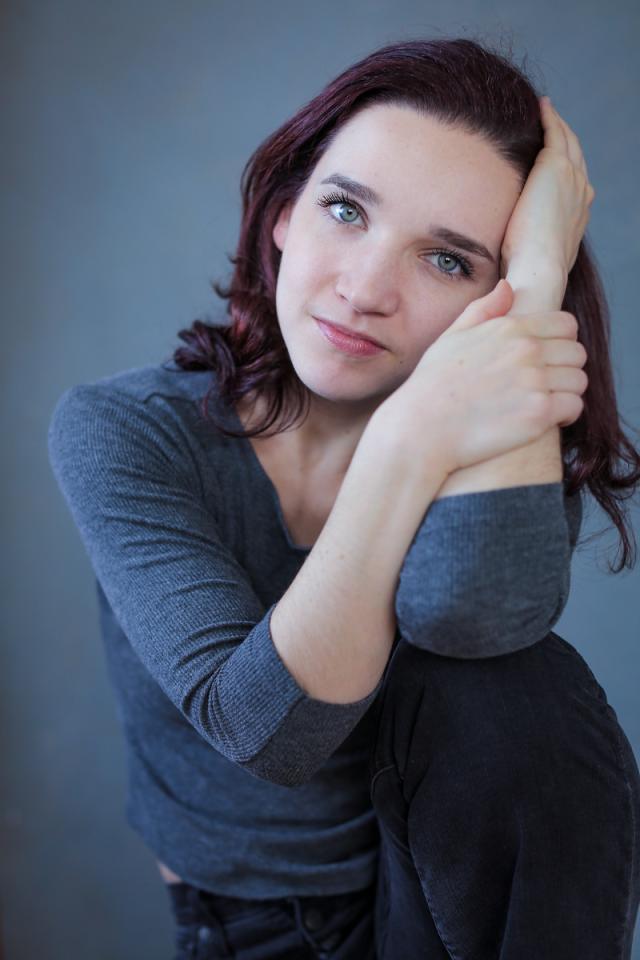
[370, 587]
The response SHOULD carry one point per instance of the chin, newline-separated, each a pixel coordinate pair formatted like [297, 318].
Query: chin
[343, 383]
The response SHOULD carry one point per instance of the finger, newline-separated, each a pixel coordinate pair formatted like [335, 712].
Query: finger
[573, 143]
[563, 353]
[575, 147]
[559, 323]
[565, 408]
[554, 135]
[566, 380]
[570, 143]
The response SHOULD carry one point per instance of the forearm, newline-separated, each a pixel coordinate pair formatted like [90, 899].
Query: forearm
[335, 625]
[535, 289]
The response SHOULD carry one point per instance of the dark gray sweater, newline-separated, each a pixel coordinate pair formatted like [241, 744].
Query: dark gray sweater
[238, 780]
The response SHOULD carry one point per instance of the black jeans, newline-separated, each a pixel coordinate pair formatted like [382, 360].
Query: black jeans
[213, 927]
[508, 800]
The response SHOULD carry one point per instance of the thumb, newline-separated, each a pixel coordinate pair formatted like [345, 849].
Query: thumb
[496, 303]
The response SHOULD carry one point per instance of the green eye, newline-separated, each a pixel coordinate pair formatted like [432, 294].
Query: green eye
[353, 210]
[453, 261]
[466, 269]
[335, 199]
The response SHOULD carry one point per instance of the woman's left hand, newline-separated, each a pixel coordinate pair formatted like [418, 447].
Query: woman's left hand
[552, 212]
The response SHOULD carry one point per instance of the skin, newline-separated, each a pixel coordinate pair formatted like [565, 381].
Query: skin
[374, 269]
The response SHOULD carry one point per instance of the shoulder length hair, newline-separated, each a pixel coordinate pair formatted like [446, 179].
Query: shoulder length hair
[460, 82]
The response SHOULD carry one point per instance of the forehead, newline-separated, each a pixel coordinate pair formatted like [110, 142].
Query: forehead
[415, 160]
[407, 137]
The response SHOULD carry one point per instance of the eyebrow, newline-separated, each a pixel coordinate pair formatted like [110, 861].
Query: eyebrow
[367, 195]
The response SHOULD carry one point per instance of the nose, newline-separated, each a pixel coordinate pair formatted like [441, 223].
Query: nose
[369, 284]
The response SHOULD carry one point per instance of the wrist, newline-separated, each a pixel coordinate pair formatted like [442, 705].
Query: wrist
[537, 285]
[407, 430]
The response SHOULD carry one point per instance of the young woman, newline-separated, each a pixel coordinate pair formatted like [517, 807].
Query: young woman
[331, 539]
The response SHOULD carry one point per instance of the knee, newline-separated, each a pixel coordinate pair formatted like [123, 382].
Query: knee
[486, 726]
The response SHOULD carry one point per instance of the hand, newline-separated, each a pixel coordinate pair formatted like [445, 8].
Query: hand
[552, 212]
[491, 382]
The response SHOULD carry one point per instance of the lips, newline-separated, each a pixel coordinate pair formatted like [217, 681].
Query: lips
[354, 334]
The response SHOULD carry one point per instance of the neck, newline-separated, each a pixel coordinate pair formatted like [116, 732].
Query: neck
[327, 438]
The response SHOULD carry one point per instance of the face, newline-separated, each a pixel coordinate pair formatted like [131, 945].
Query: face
[376, 263]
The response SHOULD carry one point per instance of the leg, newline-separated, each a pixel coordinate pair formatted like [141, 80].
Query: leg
[510, 786]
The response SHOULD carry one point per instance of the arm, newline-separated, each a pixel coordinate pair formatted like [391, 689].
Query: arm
[488, 571]
[184, 602]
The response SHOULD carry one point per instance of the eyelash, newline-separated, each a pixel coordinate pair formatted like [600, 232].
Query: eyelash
[331, 198]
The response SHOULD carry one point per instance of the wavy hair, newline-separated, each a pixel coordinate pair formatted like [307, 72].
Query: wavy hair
[460, 82]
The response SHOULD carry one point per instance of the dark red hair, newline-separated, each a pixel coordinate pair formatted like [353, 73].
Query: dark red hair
[461, 82]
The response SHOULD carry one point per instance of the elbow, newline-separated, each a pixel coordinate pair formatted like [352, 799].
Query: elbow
[471, 638]
[488, 574]
[474, 625]
[302, 745]
[287, 749]
[279, 770]
[272, 759]
[275, 761]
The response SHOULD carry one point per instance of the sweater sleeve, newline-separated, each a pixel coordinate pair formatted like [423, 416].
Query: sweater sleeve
[182, 599]
[488, 572]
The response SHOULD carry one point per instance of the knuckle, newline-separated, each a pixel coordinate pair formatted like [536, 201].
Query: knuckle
[534, 379]
[528, 348]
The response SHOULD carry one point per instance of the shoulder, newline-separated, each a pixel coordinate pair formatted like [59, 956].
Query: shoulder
[150, 413]
[162, 390]
[139, 385]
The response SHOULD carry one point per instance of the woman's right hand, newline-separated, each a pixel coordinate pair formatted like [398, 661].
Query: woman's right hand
[492, 382]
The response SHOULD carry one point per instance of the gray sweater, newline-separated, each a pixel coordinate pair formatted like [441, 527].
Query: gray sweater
[238, 780]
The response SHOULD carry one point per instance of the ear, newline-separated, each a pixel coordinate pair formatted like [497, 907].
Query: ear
[281, 226]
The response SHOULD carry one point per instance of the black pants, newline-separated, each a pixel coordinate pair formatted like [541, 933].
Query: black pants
[212, 927]
[508, 800]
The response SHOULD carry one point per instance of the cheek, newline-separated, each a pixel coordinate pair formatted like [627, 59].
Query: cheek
[301, 279]
[448, 308]
[439, 312]
[306, 266]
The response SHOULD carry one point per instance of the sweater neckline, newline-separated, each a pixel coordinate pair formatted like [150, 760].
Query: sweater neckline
[247, 446]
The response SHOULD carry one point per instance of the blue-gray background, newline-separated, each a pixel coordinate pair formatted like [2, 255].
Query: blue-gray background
[125, 127]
